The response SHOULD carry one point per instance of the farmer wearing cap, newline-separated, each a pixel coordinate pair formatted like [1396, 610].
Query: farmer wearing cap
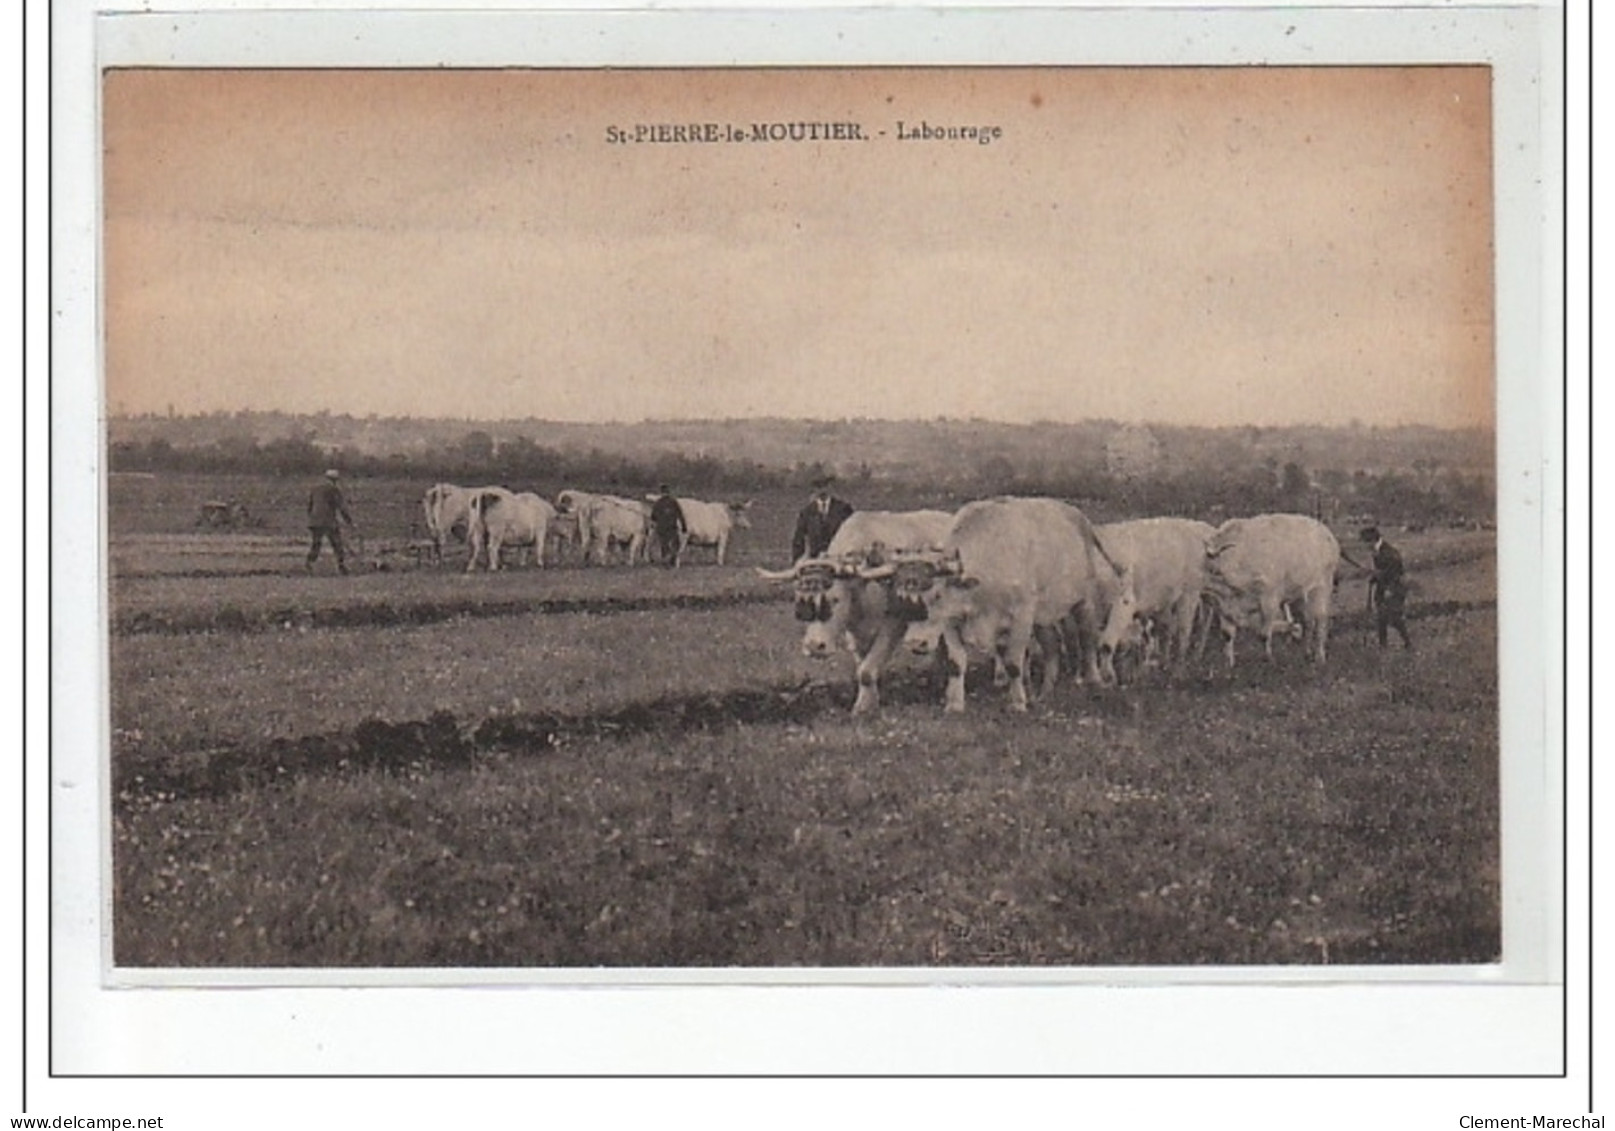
[818, 522]
[325, 507]
[1387, 587]
[667, 520]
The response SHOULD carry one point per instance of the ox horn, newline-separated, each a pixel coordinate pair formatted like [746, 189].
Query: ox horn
[776, 574]
[878, 572]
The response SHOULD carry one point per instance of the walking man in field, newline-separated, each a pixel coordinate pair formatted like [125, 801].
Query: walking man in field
[818, 522]
[667, 520]
[325, 507]
[1387, 588]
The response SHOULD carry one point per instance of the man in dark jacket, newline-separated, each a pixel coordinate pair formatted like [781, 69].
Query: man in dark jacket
[325, 506]
[667, 521]
[818, 522]
[1387, 588]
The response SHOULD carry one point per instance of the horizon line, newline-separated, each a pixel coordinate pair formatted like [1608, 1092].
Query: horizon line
[1354, 425]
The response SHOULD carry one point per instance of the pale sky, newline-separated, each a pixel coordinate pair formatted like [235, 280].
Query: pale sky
[1185, 246]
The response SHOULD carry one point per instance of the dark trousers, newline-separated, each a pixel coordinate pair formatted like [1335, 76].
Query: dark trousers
[334, 535]
[668, 543]
[1390, 604]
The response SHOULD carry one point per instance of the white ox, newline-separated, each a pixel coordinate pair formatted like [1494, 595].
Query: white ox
[605, 522]
[1163, 564]
[843, 606]
[447, 509]
[711, 524]
[1011, 569]
[500, 518]
[1258, 569]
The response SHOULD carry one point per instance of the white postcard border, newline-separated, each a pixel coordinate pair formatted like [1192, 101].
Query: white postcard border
[225, 1030]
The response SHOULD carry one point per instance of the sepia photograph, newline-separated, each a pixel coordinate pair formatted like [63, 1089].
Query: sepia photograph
[878, 517]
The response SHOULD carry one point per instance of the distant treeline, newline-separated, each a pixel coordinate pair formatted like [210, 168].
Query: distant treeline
[475, 459]
[1122, 469]
[1387, 496]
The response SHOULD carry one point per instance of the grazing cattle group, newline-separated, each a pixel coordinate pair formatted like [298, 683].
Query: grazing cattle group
[596, 529]
[1021, 581]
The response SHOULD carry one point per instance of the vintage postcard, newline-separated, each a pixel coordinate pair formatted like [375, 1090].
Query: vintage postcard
[1018, 523]
[1167, 300]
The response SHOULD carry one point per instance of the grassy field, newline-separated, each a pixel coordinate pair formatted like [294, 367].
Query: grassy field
[635, 767]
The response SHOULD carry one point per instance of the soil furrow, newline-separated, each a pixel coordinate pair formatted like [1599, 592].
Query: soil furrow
[443, 739]
[381, 614]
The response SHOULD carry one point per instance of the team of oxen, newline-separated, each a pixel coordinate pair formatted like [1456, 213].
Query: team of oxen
[595, 528]
[1019, 579]
[1015, 579]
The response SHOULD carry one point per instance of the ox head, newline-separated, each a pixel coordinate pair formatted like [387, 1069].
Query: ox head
[824, 599]
[566, 502]
[835, 597]
[912, 580]
[816, 590]
[1121, 626]
[738, 516]
[927, 589]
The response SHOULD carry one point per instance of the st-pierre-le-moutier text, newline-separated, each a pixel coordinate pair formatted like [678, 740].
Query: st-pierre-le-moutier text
[718, 133]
